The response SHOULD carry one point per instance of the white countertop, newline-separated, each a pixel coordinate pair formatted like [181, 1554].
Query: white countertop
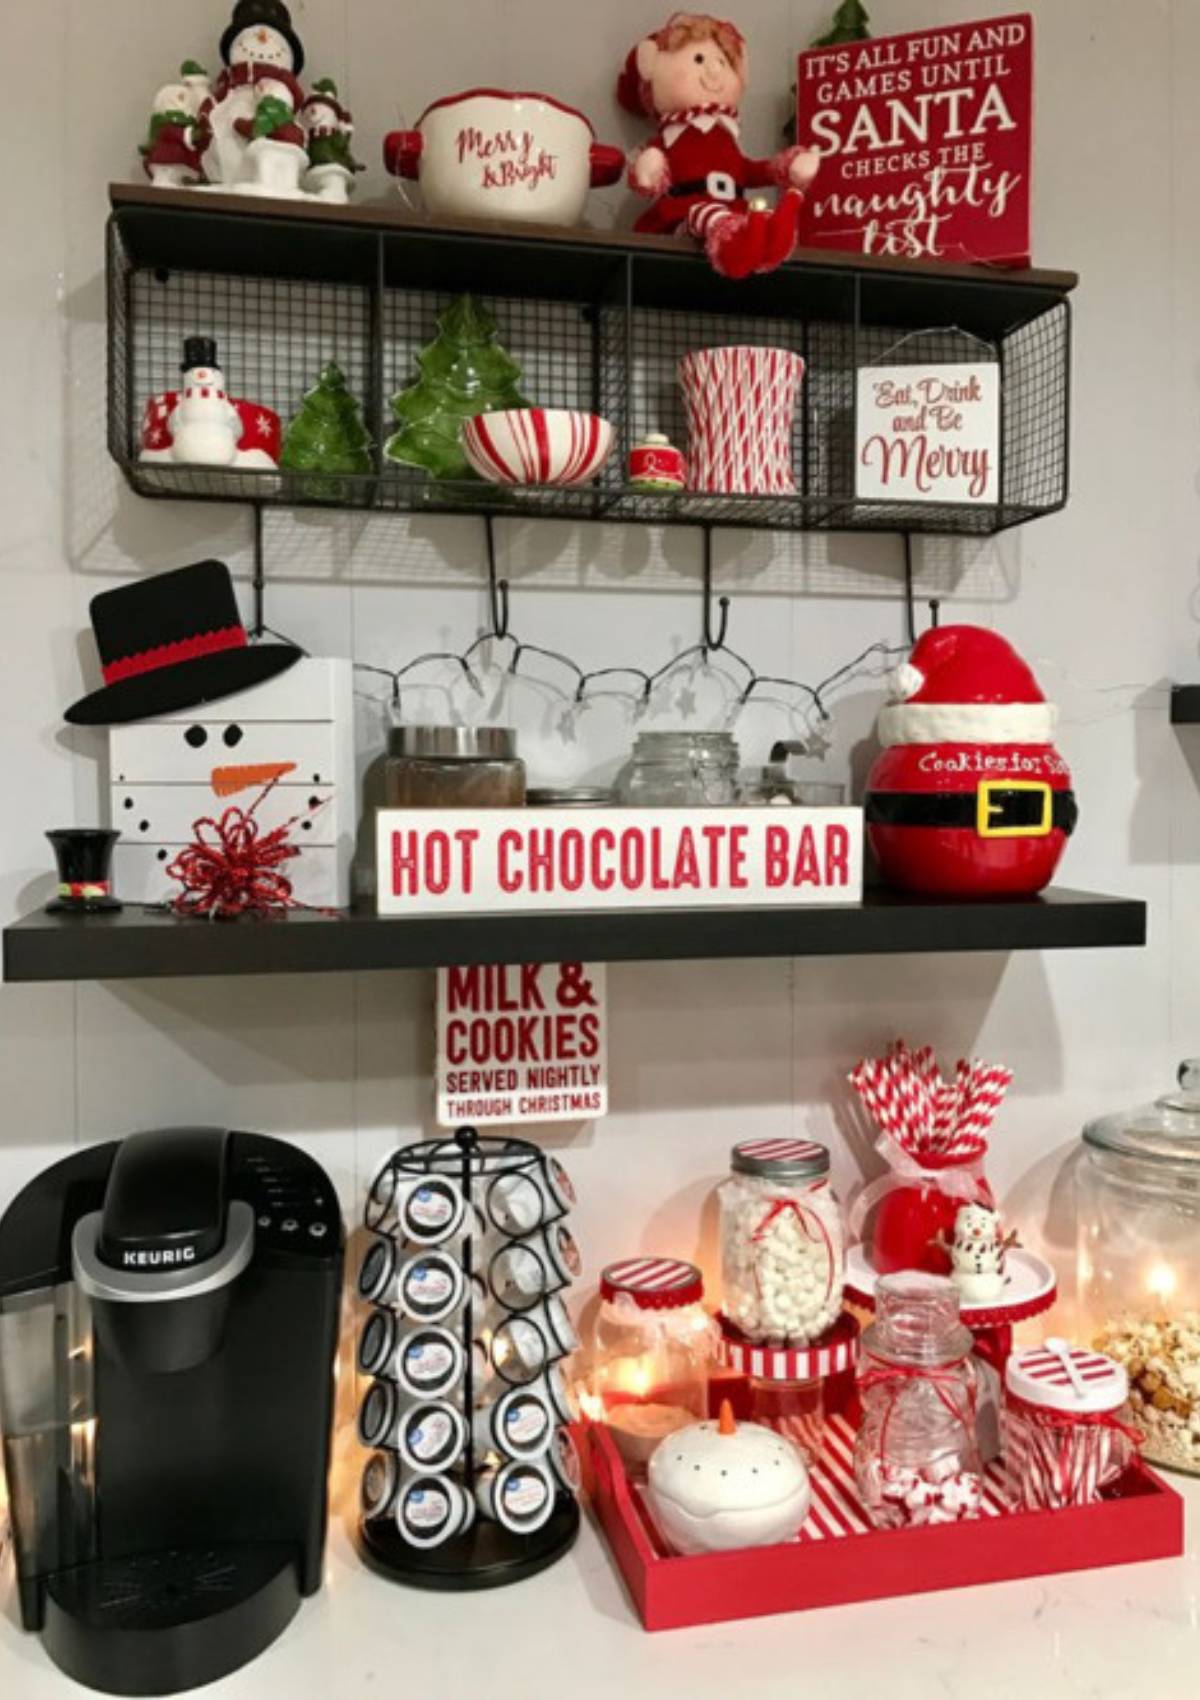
[1128, 1633]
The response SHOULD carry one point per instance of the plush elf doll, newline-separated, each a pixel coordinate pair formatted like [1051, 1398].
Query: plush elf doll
[690, 77]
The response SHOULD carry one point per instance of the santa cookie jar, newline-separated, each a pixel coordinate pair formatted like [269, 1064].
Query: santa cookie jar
[689, 77]
[969, 797]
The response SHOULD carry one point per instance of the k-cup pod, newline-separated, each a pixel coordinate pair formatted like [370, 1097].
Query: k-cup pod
[380, 1479]
[431, 1509]
[377, 1415]
[559, 1395]
[558, 1183]
[564, 1462]
[380, 1212]
[519, 1495]
[430, 1211]
[519, 1276]
[377, 1272]
[557, 1247]
[518, 1351]
[520, 1202]
[425, 1362]
[431, 1436]
[377, 1342]
[518, 1425]
[554, 1320]
[430, 1287]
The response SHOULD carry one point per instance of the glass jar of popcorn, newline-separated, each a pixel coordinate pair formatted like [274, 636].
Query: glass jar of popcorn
[1138, 1262]
[916, 1457]
[783, 1244]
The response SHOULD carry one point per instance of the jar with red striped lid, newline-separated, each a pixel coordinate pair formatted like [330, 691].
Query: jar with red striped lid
[1067, 1434]
[651, 1349]
[783, 1243]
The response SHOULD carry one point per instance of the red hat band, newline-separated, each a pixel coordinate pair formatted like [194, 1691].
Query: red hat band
[171, 654]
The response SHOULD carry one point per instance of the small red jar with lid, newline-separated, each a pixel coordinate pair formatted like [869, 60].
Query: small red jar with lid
[652, 1347]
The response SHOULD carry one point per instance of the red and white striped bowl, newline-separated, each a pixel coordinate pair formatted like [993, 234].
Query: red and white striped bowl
[537, 445]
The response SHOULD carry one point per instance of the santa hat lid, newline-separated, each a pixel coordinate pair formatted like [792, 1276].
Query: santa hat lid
[965, 684]
[273, 14]
[963, 664]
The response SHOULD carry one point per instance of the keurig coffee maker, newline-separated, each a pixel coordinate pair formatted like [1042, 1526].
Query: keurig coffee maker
[168, 1324]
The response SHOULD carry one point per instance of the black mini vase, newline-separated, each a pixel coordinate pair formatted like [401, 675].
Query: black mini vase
[84, 857]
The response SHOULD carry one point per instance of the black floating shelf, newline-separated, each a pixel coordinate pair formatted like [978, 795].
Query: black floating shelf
[1185, 705]
[597, 320]
[148, 944]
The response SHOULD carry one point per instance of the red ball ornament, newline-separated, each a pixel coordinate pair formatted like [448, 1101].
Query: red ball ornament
[969, 797]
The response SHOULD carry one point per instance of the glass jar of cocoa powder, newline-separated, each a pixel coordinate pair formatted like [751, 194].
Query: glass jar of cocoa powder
[453, 767]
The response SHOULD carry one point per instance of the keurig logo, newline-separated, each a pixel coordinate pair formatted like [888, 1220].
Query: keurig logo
[168, 1258]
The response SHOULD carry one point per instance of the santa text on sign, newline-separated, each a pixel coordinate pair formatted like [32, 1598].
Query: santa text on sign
[925, 142]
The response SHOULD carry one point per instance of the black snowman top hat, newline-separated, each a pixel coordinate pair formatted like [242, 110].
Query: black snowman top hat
[273, 13]
[171, 642]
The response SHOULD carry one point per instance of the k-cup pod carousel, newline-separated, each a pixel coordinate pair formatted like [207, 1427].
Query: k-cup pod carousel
[471, 1480]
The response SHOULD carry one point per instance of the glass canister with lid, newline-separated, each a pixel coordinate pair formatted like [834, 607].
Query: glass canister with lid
[916, 1457]
[453, 767]
[1138, 1262]
[652, 1348]
[680, 770]
[783, 1246]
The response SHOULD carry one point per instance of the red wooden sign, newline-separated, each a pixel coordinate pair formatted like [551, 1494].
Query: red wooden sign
[926, 143]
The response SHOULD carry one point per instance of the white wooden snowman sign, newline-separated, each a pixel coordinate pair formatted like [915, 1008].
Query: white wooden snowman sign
[294, 733]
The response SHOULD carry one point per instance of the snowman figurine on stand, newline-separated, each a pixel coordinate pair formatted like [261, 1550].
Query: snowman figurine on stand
[253, 141]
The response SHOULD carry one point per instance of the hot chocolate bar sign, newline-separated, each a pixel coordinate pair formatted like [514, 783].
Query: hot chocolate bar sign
[928, 433]
[925, 142]
[445, 862]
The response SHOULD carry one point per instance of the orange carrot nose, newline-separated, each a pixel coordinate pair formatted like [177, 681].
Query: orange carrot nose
[725, 1423]
[228, 781]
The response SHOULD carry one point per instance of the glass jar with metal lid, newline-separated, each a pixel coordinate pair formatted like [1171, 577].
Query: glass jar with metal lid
[680, 770]
[453, 767]
[570, 797]
[1138, 1262]
[783, 1244]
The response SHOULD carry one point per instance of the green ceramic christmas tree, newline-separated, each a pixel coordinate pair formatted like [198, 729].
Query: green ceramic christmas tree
[850, 23]
[327, 434]
[464, 371]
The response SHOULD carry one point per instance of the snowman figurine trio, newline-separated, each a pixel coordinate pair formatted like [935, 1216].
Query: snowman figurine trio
[255, 131]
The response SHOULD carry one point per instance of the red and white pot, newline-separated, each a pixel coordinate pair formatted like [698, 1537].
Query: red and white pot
[491, 153]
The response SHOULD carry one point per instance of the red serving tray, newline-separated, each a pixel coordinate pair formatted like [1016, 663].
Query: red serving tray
[834, 1562]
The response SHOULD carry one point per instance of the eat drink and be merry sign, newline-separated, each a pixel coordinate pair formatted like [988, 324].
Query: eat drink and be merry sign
[926, 143]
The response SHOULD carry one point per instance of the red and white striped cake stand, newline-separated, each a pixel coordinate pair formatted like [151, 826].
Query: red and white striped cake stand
[1032, 1288]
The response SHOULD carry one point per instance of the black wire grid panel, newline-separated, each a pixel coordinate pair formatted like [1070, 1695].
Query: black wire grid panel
[613, 355]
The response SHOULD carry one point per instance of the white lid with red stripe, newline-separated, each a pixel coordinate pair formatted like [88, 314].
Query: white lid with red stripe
[781, 1159]
[832, 1353]
[653, 1283]
[1067, 1378]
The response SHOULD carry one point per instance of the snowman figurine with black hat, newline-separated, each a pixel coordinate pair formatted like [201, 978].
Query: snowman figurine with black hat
[250, 136]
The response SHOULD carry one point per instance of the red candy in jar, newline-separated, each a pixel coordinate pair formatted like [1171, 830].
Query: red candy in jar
[969, 796]
[655, 464]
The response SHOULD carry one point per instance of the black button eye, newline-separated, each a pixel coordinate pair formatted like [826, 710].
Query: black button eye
[233, 735]
[699, 58]
[196, 736]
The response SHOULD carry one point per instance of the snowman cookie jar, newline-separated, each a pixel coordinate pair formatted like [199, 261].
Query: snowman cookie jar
[969, 797]
[721, 1485]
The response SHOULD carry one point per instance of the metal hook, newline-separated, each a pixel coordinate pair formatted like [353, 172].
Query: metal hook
[259, 579]
[708, 641]
[497, 587]
[935, 612]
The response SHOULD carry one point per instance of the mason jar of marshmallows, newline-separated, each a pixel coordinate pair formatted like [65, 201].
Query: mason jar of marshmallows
[783, 1247]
